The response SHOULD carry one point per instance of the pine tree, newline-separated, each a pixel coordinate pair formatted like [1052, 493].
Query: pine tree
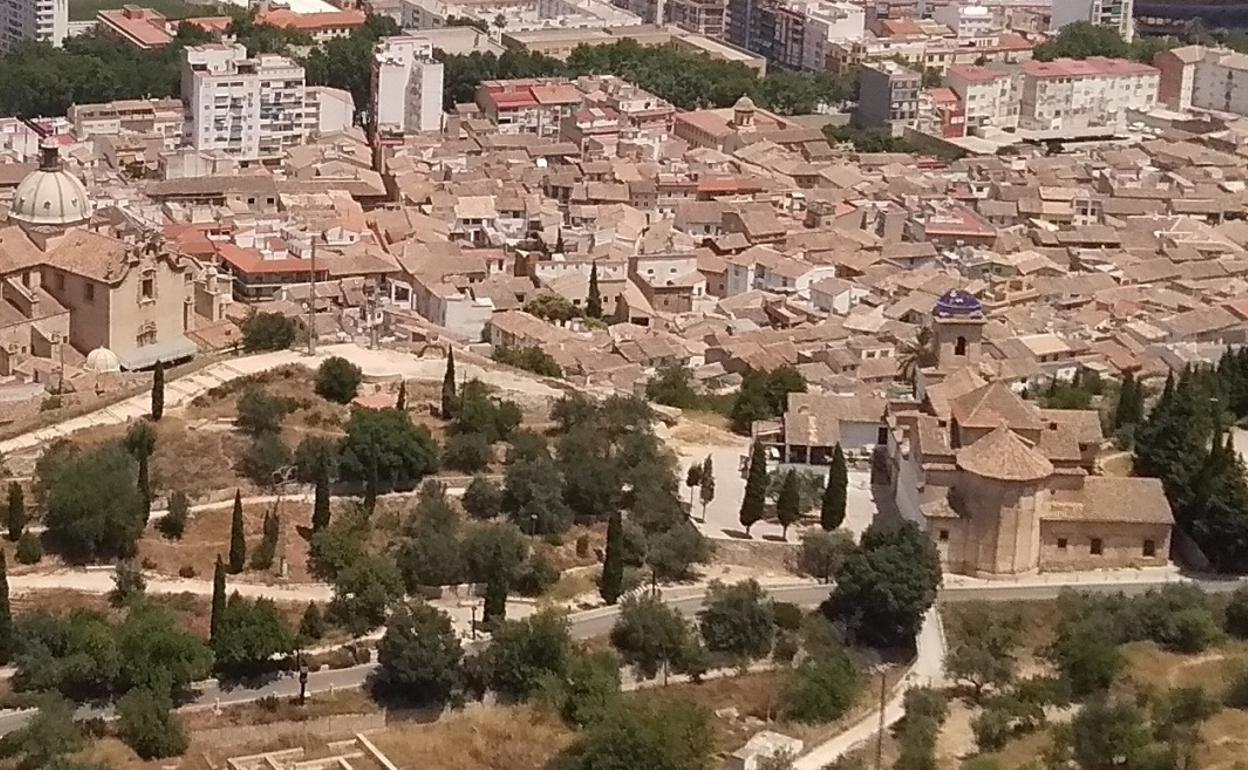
[238, 540]
[495, 597]
[320, 503]
[401, 402]
[1219, 520]
[832, 511]
[450, 401]
[788, 505]
[593, 303]
[158, 390]
[755, 498]
[612, 582]
[706, 492]
[218, 598]
[8, 639]
[17, 511]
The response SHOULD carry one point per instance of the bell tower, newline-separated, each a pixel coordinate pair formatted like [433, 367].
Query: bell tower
[957, 330]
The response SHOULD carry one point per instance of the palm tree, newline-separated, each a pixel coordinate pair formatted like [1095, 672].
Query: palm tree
[916, 355]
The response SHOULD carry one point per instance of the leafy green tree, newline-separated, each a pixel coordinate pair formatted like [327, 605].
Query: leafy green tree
[218, 598]
[128, 584]
[655, 734]
[158, 390]
[593, 303]
[533, 496]
[587, 692]
[494, 547]
[157, 653]
[16, 515]
[835, 496]
[29, 549]
[1087, 655]
[316, 456]
[787, 507]
[386, 443]
[925, 711]
[94, 509]
[147, 724]
[140, 442]
[755, 498]
[344, 541]
[822, 553]
[238, 536]
[672, 385]
[420, 656]
[265, 458]
[479, 411]
[259, 412]
[431, 554]
[337, 379]
[50, 735]
[737, 620]
[312, 624]
[611, 585]
[450, 397]
[649, 635]
[267, 331]
[552, 307]
[482, 499]
[362, 592]
[467, 452]
[1107, 734]
[1236, 614]
[672, 553]
[1082, 40]
[173, 524]
[343, 62]
[985, 656]
[885, 587]
[249, 634]
[523, 651]
[531, 359]
[821, 689]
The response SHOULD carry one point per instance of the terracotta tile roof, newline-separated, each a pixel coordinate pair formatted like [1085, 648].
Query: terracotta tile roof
[1003, 456]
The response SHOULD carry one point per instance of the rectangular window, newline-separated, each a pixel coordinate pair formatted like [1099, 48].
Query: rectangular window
[148, 287]
[1150, 548]
[943, 536]
[1098, 547]
[88, 292]
[60, 281]
[1062, 543]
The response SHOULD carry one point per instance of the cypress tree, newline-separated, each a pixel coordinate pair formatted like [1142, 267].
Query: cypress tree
[158, 390]
[788, 505]
[612, 582]
[755, 498]
[706, 492]
[17, 511]
[218, 597]
[7, 637]
[320, 503]
[370, 485]
[593, 303]
[450, 401]
[832, 511]
[145, 486]
[1130, 409]
[401, 402]
[495, 593]
[238, 541]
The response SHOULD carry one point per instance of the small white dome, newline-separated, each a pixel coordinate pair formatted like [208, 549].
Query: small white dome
[50, 195]
[103, 360]
[745, 103]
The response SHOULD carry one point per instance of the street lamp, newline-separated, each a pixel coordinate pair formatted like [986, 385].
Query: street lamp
[303, 680]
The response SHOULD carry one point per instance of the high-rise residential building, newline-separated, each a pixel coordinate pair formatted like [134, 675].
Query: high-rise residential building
[45, 21]
[1115, 14]
[705, 17]
[407, 86]
[888, 97]
[249, 108]
[1089, 97]
[793, 34]
[1196, 77]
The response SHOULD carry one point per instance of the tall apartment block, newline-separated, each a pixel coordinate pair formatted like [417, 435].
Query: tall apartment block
[1115, 14]
[45, 21]
[793, 34]
[888, 97]
[407, 86]
[705, 17]
[249, 108]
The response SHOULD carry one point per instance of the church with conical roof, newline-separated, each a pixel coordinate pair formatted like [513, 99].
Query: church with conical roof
[1005, 487]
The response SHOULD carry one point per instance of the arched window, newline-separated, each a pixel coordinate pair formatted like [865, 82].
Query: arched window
[959, 346]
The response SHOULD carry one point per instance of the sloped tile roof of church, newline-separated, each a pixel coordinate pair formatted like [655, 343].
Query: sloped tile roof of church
[1003, 456]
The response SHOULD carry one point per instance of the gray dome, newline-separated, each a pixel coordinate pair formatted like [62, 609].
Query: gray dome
[50, 195]
[103, 360]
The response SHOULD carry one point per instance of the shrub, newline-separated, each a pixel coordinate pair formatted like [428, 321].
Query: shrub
[467, 452]
[788, 616]
[821, 690]
[267, 331]
[582, 546]
[1237, 694]
[173, 524]
[266, 455]
[29, 549]
[186, 571]
[483, 499]
[337, 379]
[537, 576]
[258, 412]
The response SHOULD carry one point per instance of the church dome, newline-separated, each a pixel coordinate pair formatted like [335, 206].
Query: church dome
[50, 195]
[955, 303]
[103, 360]
[1003, 456]
[743, 104]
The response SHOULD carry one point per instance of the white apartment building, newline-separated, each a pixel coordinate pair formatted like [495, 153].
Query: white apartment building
[989, 95]
[327, 110]
[1195, 77]
[46, 21]
[826, 23]
[407, 86]
[1115, 14]
[249, 108]
[1069, 98]
[969, 22]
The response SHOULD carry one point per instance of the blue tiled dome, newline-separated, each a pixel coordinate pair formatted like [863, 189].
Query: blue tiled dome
[955, 303]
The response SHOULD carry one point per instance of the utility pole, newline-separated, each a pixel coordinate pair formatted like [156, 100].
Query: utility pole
[312, 303]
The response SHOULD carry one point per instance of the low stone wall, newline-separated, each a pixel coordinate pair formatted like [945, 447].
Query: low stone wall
[325, 729]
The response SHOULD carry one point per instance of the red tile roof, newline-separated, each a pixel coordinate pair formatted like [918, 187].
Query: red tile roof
[1093, 66]
[309, 22]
